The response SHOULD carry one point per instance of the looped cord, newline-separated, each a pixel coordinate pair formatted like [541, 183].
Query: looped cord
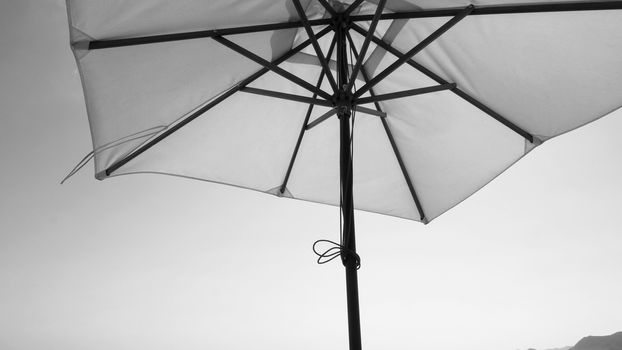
[334, 252]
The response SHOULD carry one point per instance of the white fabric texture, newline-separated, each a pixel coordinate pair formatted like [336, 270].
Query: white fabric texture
[547, 73]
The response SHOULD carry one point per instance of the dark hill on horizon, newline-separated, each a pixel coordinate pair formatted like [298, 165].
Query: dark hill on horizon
[608, 342]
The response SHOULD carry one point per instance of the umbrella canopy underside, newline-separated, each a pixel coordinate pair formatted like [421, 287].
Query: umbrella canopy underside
[545, 72]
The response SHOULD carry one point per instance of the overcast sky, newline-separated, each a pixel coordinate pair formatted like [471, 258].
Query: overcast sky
[154, 262]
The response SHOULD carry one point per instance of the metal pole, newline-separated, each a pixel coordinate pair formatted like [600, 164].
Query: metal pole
[349, 260]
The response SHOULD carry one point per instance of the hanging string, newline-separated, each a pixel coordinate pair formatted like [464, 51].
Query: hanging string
[132, 137]
[79, 166]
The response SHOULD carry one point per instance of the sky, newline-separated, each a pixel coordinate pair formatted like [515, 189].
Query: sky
[157, 262]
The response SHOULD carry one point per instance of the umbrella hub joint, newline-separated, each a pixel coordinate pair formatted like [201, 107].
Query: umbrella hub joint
[341, 20]
[343, 100]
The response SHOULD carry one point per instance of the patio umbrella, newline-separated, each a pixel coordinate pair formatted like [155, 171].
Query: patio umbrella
[399, 107]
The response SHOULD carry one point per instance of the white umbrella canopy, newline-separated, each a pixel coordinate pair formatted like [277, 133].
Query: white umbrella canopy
[403, 108]
[543, 73]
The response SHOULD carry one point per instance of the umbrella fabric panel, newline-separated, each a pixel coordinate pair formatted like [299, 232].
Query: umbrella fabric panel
[245, 141]
[537, 70]
[315, 175]
[126, 18]
[450, 148]
[379, 184]
[143, 89]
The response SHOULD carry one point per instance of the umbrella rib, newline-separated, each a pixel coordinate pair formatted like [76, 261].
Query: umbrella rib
[480, 10]
[423, 44]
[500, 10]
[304, 124]
[405, 93]
[271, 66]
[286, 96]
[400, 161]
[316, 45]
[396, 150]
[141, 149]
[473, 101]
[365, 46]
[353, 7]
[328, 7]
[152, 39]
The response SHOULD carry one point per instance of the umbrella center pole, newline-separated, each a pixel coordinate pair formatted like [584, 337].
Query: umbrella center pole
[348, 254]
